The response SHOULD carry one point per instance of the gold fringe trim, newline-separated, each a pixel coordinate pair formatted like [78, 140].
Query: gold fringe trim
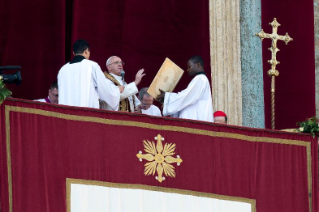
[155, 126]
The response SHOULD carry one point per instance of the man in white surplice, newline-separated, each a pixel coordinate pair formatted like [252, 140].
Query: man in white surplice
[146, 106]
[128, 100]
[195, 102]
[82, 83]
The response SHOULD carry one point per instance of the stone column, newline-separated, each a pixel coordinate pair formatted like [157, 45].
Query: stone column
[251, 64]
[225, 58]
[316, 21]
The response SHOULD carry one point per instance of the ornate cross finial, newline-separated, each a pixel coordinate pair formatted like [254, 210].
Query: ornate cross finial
[274, 37]
[273, 72]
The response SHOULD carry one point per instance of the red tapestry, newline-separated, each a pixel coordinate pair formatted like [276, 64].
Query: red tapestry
[43, 144]
[40, 38]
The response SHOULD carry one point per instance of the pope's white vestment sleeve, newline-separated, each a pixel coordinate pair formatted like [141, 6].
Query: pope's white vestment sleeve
[107, 91]
[129, 90]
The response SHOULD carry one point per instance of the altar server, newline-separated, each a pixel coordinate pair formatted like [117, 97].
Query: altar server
[82, 82]
[195, 102]
[146, 106]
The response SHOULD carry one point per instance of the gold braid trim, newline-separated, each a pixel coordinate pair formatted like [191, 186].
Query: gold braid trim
[110, 77]
[124, 104]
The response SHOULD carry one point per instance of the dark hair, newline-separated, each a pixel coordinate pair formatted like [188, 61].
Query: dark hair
[54, 85]
[80, 46]
[197, 59]
[143, 92]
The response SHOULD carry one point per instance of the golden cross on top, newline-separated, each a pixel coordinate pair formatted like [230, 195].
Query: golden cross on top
[273, 72]
[274, 37]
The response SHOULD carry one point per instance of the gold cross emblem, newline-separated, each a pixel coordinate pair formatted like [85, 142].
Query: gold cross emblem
[274, 62]
[160, 158]
[274, 37]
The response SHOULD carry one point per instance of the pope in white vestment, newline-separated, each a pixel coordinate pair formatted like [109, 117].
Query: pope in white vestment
[82, 83]
[128, 100]
[195, 102]
[128, 93]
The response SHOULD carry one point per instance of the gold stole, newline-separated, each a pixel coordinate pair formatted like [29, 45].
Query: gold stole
[125, 103]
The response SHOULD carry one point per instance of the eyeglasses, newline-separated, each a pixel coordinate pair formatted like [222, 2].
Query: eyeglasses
[54, 92]
[117, 62]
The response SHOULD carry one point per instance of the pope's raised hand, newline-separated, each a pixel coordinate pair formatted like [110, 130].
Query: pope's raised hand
[139, 75]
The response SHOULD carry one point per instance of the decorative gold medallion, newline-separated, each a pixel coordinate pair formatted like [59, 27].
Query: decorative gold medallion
[160, 158]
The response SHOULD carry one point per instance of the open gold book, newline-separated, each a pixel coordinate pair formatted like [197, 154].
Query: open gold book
[166, 78]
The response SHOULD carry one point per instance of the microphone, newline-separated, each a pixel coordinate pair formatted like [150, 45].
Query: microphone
[10, 67]
[122, 74]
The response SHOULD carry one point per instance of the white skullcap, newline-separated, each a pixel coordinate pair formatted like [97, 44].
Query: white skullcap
[109, 60]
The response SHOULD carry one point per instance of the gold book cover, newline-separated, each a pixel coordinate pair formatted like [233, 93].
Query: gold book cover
[166, 78]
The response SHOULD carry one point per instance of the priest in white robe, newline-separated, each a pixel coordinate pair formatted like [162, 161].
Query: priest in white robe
[195, 102]
[146, 106]
[128, 101]
[82, 83]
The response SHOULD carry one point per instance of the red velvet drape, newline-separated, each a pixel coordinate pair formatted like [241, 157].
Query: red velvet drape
[49, 143]
[32, 35]
[142, 33]
[295, 85]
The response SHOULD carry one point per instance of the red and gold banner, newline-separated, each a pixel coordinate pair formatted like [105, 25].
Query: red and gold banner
[43, 146]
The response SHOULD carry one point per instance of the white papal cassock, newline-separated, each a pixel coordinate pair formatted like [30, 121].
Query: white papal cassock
[83, 83]
[195, 102]
[129, 92]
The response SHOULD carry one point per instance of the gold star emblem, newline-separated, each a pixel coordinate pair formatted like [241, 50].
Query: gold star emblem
[160, 158]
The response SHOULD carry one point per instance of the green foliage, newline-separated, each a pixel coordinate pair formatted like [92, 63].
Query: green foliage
[4, 92]
[309, 126]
